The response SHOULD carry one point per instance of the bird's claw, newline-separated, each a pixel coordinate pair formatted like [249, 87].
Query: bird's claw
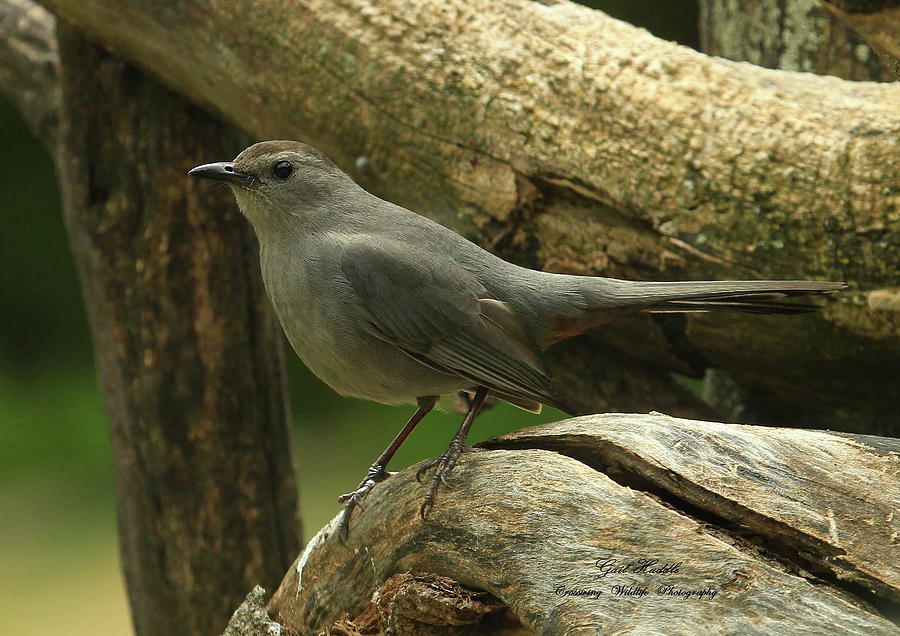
[431, 463]
[445, 464]
[343, 529]
[354, 499]
[376, 473]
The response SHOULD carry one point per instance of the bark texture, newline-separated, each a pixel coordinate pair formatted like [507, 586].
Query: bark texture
[795, 532]
[797, 35]
[187, 349]
[566, 140]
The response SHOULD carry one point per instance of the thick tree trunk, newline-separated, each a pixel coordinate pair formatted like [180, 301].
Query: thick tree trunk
[187, 349]
[784, 531]
[566, 140]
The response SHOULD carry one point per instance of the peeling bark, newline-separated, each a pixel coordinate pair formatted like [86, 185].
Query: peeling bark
[567, 140]
[419, 605]
[794, 530]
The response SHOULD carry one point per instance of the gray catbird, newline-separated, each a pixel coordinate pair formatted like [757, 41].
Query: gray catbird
[384, 304]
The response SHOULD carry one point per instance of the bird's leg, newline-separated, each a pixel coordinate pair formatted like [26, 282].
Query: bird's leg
[377, 470]
[447, 461]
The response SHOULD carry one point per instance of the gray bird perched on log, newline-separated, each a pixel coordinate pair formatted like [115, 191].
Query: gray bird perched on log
[384, 304]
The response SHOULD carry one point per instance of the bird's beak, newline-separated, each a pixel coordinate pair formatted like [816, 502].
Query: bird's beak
[223, 171]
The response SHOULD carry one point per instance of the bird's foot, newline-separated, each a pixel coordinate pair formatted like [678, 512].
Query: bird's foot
[443, 465]
[353, 499]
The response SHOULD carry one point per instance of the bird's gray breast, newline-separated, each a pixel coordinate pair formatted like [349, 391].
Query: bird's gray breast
[321, 316]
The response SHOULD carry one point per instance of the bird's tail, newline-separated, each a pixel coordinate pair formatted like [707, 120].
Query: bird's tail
[588, 302]
[755, 297]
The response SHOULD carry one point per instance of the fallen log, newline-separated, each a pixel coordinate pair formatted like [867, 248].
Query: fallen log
[622, 522]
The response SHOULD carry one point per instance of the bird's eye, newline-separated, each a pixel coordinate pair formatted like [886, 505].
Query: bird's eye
[283, 169]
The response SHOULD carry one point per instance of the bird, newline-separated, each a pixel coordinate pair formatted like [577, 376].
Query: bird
[384, 304]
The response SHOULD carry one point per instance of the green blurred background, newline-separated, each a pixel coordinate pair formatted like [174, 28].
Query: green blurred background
[59, 559]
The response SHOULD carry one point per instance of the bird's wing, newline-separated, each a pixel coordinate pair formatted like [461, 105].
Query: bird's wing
[439, 314]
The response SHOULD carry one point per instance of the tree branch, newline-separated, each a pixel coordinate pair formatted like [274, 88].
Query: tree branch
[527, 525]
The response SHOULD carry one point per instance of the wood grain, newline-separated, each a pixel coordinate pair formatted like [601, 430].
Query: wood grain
[742, 511]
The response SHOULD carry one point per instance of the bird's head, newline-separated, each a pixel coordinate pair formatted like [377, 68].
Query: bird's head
[279, 183]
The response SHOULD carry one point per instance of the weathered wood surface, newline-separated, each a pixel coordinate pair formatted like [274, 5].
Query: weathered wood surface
[251, 618]
[748, 512]
[831, 498]
[188, 351]
[570, 141]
